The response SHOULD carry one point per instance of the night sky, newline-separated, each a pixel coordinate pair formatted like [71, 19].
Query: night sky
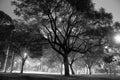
[112, 6]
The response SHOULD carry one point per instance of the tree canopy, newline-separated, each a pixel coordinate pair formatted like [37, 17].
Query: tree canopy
[69, 26]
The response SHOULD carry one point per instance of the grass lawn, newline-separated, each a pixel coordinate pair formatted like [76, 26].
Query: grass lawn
[17, 76]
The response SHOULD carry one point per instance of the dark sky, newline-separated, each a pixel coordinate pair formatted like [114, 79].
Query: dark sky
[112, 6]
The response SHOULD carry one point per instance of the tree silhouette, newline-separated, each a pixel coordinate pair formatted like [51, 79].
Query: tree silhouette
[66, 24]
[6, 28]
[59, 22]
[108, 60]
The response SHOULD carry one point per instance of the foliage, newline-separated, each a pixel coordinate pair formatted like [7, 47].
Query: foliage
[82, 6]
[5, 18]
[108, 59]
[6, 27]
[51, 58]
[22, 39]
[69, 26]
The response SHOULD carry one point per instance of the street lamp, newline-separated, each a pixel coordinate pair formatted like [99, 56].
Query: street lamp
[25, 55]
[116, 38]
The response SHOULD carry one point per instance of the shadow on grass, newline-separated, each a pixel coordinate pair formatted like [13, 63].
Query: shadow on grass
[35, 78]
[15, 76]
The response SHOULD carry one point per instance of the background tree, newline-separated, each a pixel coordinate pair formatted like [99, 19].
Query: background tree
[96, 33]
[5, 18]
[116, 26]
[52, 59]
[25, 43]
[73, 57]
[108, 60]
[2, 60]
[6, 27]
[92, 58]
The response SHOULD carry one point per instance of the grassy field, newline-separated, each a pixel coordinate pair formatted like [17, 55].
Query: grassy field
[16, 76]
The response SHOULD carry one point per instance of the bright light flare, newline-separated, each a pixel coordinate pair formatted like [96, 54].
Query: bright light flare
[59, 19]
[25, 54]
[106, 47]
[117, 38]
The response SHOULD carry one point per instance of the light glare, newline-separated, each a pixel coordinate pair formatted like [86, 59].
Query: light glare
[25, 54]
[117, 38]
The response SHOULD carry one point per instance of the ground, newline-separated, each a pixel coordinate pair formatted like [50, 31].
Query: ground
[16, 76]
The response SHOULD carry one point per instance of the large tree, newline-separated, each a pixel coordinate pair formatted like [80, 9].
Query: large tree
[62, 23]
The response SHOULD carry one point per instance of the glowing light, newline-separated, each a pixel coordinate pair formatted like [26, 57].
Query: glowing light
[60, 19]
[106, 47]
[25, 54]
[117, 38]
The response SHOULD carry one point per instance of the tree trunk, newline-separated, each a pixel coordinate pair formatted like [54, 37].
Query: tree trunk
[22, 66]
[89, 68]
[115, 73]
[106, 70]
[72, 71]
[66, 66]
[61, 70]
[6, 59]
[12, 62]
[110, 71]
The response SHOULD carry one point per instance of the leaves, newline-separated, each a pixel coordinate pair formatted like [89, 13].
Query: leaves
[6, 28]
[69, 26]
[4, 18]
[108, 59]
[82, 5]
